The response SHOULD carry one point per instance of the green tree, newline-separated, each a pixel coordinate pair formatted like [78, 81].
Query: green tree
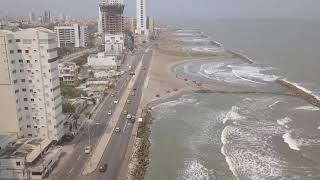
[68, 108]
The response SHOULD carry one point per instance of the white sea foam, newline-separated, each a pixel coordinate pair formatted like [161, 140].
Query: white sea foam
[226, 131]
[195, 171]
[308, 108]
[232, 115]
[206, 49]
[284, 121]
[293, 144]
[270, 106]
[253, 72]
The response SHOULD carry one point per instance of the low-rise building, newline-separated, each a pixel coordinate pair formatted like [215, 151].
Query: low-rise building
[68, 73]
[103, 61]
[28, 159]
[6, 139]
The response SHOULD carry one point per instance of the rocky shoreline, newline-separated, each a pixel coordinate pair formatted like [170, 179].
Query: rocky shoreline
[139, 160]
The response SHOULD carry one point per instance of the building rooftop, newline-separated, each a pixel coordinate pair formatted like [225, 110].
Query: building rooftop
[24, 148]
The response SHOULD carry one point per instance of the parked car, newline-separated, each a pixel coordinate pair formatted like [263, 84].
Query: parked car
[109, 113]
[129, 116]
[103, 168]
[115, 102]
[128, 101]
[125, 112]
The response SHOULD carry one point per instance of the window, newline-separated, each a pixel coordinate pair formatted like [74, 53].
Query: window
[19, 51]
[15, 81]
[30, 135]
[12, 62]
[30, 81]
[10, 40]
[11, 51]
[21, 70]
[28, 61]
[24, 89]
[20, 61]
[28, 126]
[25, 99]
[23, 80]
[34, 50]
[32, 100]
[16, 91]
[26, 108]
[18, 163]
[18, 40]
[31, 90]
[27, 41]
[27, 51]
[14, 71]
[36, 60]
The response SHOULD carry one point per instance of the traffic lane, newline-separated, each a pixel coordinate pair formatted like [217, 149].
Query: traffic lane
[120, 124]
[71, 169]
[115, 161]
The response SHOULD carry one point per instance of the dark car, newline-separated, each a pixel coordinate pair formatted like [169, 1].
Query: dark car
[103, 168]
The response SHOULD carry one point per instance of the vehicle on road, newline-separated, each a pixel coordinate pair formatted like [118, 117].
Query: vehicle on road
[87, 150]
[115, 102]
[133, 118]
[135, 88]
[132, 73]
[109, 113]
[125, 112]
[117, 130]
[103, 168]
[128, 101]
[129, 116]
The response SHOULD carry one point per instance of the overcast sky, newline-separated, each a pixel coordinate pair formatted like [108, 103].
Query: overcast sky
[164, 9]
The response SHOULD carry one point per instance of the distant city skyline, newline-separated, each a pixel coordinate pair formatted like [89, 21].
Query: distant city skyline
[178, 9]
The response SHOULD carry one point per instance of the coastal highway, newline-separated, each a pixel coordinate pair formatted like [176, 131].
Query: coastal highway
[115, 152]
[72, 165]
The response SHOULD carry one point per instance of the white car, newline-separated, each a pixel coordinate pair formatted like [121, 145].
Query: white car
[117, 130]
[115, 102]
[109, 113]
[129, 116]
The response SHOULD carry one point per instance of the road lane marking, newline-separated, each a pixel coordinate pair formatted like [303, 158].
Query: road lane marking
[125, 127]
[71, 170]
[78, 157]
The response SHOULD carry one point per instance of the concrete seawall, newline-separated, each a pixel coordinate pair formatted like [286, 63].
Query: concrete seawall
[243, 57]
[300, 91]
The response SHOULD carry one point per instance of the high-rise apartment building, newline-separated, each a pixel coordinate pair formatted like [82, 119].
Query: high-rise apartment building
[141, 18]
[29, 84]
[71, 36]
[111, 19]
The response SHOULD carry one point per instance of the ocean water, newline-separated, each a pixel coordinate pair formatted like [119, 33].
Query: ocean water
[253, 134]
[289, 45]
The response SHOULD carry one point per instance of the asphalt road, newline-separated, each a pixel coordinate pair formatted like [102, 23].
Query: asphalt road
[72, 167]
[115, 152]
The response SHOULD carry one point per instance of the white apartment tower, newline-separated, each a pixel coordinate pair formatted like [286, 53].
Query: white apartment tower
[31, 104]
[141, 18]
[71, 36]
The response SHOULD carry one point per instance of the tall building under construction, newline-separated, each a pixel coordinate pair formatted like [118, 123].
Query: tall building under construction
[111, 19]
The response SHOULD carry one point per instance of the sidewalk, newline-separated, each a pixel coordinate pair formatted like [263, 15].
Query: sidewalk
[94, 160]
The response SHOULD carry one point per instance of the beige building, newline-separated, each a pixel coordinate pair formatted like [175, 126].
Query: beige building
[31, 104]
